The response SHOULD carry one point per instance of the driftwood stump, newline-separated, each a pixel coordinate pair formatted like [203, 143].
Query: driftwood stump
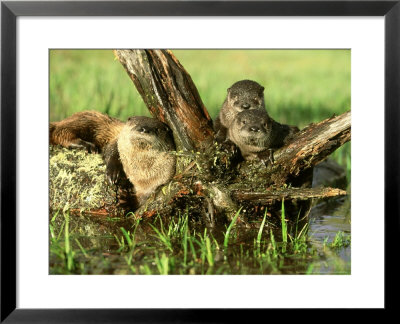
[170, 94]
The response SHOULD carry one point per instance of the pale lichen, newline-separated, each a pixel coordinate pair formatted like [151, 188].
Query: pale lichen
[77, 180]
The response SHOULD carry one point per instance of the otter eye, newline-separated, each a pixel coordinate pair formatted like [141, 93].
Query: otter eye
[236, 103]
[243, 122]
[162, 129]
[144, 129]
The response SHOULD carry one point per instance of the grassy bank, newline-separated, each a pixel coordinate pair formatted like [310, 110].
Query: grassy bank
[302, 86]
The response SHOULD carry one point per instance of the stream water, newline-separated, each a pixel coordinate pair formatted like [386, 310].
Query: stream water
[326, 220]
[101, 246]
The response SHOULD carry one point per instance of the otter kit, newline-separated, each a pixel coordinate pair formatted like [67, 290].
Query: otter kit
[256, 133]
[242, 96]
[140, 148]
[244, 121]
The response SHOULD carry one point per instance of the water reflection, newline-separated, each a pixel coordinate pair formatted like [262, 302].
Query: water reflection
[101, 247]
[326, 219]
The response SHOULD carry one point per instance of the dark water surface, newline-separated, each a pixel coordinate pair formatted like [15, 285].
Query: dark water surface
[326, 220]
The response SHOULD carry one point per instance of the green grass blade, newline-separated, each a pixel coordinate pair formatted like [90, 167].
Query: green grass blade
[283, 220]
[228, 231]
[192, 248]
[127, 236]
[261, 228]
[82, 248]
[68, 251]
[209, 255]
[273, 243]
[185, 243]
[163, 238]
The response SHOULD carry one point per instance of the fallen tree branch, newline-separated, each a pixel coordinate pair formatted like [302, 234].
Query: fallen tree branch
[267, 198]
[309, 147]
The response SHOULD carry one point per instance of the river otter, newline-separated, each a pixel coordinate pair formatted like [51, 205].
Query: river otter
[138, 149]
[242, 96]
[256, 133]
[144, 148]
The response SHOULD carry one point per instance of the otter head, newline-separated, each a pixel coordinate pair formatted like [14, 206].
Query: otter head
[251, 131]
[246, 95]
[146, 132]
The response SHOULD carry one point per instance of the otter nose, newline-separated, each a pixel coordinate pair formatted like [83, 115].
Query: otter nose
[254, 129]
[246, 106]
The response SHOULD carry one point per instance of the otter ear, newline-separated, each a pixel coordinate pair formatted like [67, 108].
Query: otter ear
[229, 94]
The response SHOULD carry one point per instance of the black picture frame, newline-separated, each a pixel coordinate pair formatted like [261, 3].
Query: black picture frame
[11, 10]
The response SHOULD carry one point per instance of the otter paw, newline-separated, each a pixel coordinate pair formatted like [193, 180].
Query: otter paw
[89, 147]
[267, 157]
[113, 172]
[229, 147]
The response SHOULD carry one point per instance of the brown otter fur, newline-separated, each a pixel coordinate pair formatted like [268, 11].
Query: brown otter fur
[87, 129]
[144, 147]
[138, 149]
[255, 132]
[242, 95]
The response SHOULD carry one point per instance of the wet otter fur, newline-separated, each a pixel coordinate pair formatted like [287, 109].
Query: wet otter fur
[255, 132]
[138, 149]
[242, 96]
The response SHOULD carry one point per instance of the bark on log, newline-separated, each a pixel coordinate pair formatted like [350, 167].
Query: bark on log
[309, 147]
[267, 198]
[170, 95]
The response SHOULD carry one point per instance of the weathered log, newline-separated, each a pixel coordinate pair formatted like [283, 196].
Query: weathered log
[170, 95]
[198, 197]
[310, 146]
[271, 197]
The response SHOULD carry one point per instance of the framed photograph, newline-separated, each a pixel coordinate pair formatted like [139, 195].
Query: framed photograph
[82, 238]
